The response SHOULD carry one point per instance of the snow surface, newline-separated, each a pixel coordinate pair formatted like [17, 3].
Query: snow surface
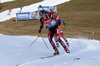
[2, 1]
[30, 8]
[15, 51]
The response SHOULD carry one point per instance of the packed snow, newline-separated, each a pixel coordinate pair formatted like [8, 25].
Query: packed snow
[3, 1]
[30, 8]
[15, 51]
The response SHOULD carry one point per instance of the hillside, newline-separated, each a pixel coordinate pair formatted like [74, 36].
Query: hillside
[77, 14]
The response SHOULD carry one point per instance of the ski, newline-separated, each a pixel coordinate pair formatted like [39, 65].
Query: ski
[50, 56]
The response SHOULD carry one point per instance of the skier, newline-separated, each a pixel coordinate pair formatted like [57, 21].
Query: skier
[53, 26]
[58, 20]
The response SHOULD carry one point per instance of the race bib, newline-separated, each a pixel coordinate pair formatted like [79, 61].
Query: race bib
[52, 24]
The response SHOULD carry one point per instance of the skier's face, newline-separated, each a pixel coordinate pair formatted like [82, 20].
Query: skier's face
[43, 15]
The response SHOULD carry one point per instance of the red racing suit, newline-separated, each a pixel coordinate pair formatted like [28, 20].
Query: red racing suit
[59, 19]
[53, 26]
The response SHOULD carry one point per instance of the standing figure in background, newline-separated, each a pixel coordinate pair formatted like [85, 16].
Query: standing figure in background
[21, 8]
[9, 11]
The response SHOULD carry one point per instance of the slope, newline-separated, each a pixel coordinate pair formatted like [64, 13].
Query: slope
[15, 51]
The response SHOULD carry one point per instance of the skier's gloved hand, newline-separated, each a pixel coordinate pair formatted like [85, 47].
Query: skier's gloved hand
[46, 27]
[39, 31]
[59, 27]
[64, 24]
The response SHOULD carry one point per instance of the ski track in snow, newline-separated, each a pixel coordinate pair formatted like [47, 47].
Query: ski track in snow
[15, 50]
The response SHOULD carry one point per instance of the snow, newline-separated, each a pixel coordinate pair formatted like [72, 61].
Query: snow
[30, 8]
[2, 1]
[15, 51]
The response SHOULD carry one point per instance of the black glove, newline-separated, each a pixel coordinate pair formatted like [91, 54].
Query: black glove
[39, 31]
[64, 24]
[46, 27]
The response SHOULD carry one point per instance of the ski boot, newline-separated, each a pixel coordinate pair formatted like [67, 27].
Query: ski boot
[67, 43]
[57, 44]
[66, 49]
[56, 50]
[56, 53]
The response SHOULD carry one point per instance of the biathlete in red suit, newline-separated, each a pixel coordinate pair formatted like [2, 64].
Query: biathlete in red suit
[58, 20]
[53, 26]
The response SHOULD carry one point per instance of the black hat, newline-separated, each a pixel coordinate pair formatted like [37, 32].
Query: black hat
[43, 11]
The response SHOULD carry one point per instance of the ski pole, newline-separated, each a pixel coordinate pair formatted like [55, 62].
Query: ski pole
[34, 41]
[41, 7]
[44, 42]
[82, 31]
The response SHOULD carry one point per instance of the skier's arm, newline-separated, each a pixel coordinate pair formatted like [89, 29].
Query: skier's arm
[41, 25]
[58, 18]
[63, 22]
